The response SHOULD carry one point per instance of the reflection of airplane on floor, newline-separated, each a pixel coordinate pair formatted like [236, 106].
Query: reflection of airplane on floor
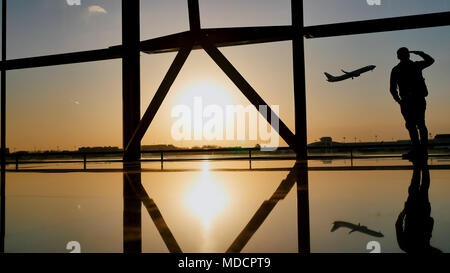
[353, 228]
[348, 75]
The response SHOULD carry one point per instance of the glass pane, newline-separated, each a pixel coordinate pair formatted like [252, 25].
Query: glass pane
[362, 108]
[64, 107]
[163, 17]
[331, 11]
[201, 78]
[238, 13]
[37, 27]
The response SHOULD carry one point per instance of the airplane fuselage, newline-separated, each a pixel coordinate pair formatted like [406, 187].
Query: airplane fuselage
[353, 228]
[348, 75]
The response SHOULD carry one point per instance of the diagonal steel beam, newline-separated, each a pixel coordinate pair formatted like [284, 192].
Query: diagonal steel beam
[219, 37]
[263, 212]
[248, 91]
[223, 37]
[156, 216]
[66, 58]
[169, 43]
[378, 25]
[159, 97]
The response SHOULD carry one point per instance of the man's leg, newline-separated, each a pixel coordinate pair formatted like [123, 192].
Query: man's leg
[413, 134]
[410, 123]
[413, 189]
[423, 134]
[422, 126]
[424, 187]
[411, 126]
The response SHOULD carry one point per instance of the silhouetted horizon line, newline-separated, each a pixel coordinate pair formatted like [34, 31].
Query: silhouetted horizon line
[324, 142]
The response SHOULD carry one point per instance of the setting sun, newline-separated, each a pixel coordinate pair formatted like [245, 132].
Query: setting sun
[212, 93]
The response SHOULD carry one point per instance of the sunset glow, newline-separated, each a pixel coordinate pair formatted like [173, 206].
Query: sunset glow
[206, 199]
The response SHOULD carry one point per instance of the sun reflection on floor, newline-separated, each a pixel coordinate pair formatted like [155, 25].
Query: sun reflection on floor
[206, 199]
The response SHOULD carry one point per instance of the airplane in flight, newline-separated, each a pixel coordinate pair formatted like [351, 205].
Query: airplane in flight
[348, 75]
[353, 228]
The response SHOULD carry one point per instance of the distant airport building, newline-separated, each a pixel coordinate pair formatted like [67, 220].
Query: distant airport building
[326, 140]
[107, 149]
[442, 141]
[323, 144]
[149, 148]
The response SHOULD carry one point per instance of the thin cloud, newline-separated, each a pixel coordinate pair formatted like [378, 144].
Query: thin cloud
[95, 9]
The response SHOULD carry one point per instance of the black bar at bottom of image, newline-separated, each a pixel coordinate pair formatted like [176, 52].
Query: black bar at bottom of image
[216, 262]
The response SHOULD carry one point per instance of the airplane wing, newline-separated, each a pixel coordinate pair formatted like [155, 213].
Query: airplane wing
[373, 233]
[352, 74]
[353, 230]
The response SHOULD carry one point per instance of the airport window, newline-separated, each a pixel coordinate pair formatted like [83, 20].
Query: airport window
[318, 12]
[162, 17]
[216, 13]
[64, 107]
[95, 107]
[362, 107]
[37, 27]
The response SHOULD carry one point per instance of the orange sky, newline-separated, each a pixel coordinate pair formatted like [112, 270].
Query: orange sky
[70, 106]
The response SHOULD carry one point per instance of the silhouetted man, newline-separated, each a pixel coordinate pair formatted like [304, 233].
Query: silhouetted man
[409, 89]
[414, 225]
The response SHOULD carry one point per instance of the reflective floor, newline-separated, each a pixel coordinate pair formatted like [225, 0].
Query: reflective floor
[224, 206]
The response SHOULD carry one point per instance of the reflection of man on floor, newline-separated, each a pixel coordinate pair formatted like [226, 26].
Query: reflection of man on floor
[411, 93]
[414, 225]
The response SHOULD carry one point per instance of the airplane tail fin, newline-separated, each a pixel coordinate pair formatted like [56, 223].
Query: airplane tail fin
[335, 227]
[329, 77]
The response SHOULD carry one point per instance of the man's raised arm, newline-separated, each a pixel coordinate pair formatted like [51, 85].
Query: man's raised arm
[427, 59]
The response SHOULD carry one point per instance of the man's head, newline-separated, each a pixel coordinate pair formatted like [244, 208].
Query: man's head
[403, 54]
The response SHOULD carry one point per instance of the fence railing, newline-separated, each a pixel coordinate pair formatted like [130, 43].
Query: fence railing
[330, 152]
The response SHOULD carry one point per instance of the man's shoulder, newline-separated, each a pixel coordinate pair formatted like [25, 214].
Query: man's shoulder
[406, 66]
[395, 69]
